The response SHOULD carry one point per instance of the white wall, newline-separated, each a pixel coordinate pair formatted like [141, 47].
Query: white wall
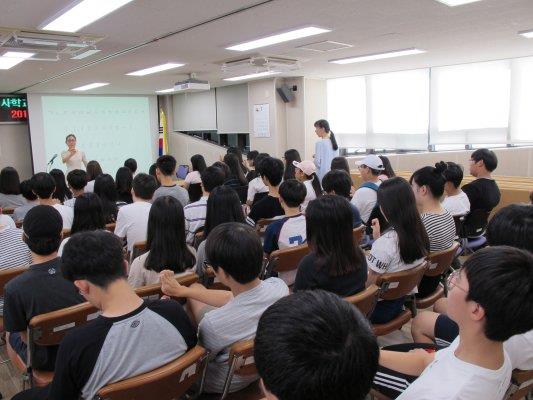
[315, 102]
[183, 146]
[15, 149]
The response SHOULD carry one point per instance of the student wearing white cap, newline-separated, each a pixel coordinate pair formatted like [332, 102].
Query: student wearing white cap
[305, 172]
[365, 197]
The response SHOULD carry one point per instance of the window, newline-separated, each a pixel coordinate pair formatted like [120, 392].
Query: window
[522, 101]
[346, 102]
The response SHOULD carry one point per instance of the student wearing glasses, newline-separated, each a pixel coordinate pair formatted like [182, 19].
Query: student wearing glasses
[483, 193]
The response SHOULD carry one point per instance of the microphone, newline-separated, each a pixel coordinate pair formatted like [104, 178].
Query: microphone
[52, 159]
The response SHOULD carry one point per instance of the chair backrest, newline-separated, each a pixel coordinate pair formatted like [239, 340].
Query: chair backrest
[18, 224]
[398, 284]
[521, 385]
[459, 221]
[440, 261]
[155, 289]
[8, 210]
[366, 300]
[65, 233]
[287, 259]
[262, 224]
[7, 274]
[241, 362]
[358, 234]
[171, 381]
[111, 226]
[475, 223]
[138, 249]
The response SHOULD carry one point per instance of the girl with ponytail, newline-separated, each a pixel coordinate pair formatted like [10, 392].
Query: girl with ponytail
[326, 149]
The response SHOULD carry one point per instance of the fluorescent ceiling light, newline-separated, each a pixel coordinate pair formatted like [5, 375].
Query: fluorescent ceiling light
[379, 56]
[157, 68]
[526, 34]
[252, 76]
[83, 14]
[279, 38]
[165, 90]
[12, 58]
[85, 54]
[453, 3]
[90, 86]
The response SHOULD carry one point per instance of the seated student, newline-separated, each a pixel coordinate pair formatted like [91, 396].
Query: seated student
[339, 182]
[88, 216]
[237, 151]
[43, 185]
[483, 193]
[325, 339]
[124, 182]
[31, 201]
[165, 242]
[10, 196]
[289, 157]
[257, 188]
[131, 164]
[104, 187]
[132, 219]
[456, 201]
[365, 197]
[77, 180]
[250, 161]
[129, 338]
[404, 245]
[428, 187]
[340, 163]
[62, 193]
[236, 178]
[41, 288]
[93, 171]
[234, 252]
[212, 177]
[288, 231]
[305, 172]
[271, 171]
[388, 171]
[166, 174]
[198, 166]
[490, 299]
[335, 263]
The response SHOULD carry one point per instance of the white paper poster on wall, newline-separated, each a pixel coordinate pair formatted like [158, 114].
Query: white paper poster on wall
[261, 120]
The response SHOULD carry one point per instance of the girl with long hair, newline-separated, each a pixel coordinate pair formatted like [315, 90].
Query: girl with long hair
[104, 187]
[236, 177]
[388, 172]
[326, 149]
[62, 192]
[198, 166]
[124, 183]
[93, 171]
[10, 195]
[340, 163]
[289, 158]
[238, 153]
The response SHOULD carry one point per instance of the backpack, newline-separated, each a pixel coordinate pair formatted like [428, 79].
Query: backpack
[376, 212]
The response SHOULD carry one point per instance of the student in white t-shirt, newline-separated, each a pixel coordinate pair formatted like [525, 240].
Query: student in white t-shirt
[483, 300]
[256, 185]
[456, 201]
[403, 246]
[365, 197]
[305, 172]
[132, 219]
[43, 185]
[198, 166]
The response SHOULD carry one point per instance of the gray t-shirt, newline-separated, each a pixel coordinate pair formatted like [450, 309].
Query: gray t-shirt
[235, 321]
[11, 200]
[175, 191]
[20, 212]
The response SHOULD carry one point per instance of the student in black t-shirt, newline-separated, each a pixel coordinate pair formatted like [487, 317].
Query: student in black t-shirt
[335, 263]
[41, 288]
[130, 337]
[483, 193]
[271, 171]
[337, 181]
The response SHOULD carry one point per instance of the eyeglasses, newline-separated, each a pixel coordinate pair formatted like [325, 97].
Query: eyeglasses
[452, 280]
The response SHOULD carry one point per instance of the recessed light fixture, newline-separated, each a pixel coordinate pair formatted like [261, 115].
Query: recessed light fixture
[279, 38]
[378, 56]
[11, 58]
[453, 3]
[252, 76]
[526, 34]
[85, 54]
[157, 68]
[90, 86]
[83, 14]
[165, 90]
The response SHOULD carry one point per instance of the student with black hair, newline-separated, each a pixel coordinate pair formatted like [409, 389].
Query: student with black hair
[62, 192]
[402, 246]
[340, 163]
[365, 197]
[237, 151]
[132, 219]
[131, 163]
[165, 242]
[166, 174]
[250, 161]
[124, 182]
[93, 171]
[31, 201]
[236, 178]
[104, 187]
[257, 188]
[77, 180]
[334, 263]
[10, 196]
[44, 186]
[314, 345]
[198, 166]
[289, 158]
[456, 201]
[338, 182]
[235, 253]
[491, 300]
[305, 172]
[326, 149]
[387, 172]
[88, 216]
[195, 213]
[72, 157]
[483, 192]
[131, 336]
[153, 171]
[271, 171]
[41, 288]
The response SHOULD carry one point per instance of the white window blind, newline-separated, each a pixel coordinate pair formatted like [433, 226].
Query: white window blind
[522, 101]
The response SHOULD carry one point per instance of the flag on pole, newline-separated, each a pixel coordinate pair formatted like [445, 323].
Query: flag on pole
[163, 133]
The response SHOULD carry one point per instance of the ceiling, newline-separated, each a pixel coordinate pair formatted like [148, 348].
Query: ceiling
[197, 32]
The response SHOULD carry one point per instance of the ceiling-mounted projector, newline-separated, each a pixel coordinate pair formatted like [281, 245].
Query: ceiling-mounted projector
[191, 85]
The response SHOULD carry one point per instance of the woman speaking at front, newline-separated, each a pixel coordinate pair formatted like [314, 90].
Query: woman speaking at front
[326, 149]
[73, 157]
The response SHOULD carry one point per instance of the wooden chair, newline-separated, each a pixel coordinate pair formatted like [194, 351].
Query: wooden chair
[5, 276]
[155, 289]
[358, 234]
[48, 330]
[366, 300]
[65, 233]
[171, 381]
[521, 385]
[262, 225]
[110, 227]
[138, 249]
[18, 224]
[438, 263]
[241, 362]
[395, 286]
[8, 211]
[286, 259]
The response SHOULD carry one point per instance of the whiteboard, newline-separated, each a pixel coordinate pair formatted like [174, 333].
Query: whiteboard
[261, 119]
